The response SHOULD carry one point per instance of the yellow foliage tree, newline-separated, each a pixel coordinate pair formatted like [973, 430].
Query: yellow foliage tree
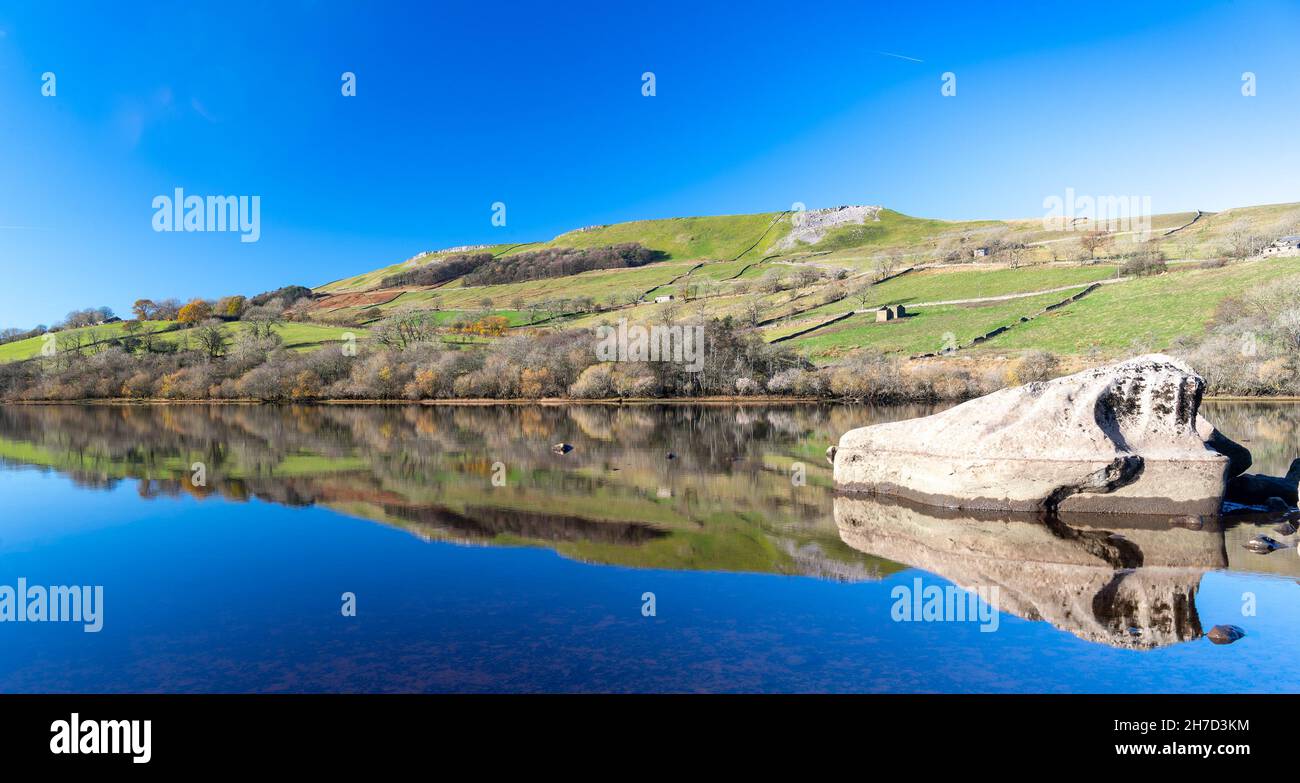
[195, 312]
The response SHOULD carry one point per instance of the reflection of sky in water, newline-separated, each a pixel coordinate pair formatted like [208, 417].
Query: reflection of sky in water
[219, 596]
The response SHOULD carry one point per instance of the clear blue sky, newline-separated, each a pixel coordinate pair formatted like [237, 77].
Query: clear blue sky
[539, 106]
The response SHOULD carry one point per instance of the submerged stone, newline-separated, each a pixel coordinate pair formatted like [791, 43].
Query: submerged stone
[1225, 634]
[1122, 438]
[1262, 545]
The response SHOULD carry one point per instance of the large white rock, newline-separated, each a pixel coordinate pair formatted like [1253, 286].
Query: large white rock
[1121, 438]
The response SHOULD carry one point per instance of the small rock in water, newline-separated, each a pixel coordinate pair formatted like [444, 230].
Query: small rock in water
[672, 455]
[1284, 528]
[1277, 504]
[1262, 545]
[1225, 634]
[562, 448]
[1188, 522]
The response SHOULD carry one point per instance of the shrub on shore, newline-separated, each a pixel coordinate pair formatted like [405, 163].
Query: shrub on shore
[1253, 347]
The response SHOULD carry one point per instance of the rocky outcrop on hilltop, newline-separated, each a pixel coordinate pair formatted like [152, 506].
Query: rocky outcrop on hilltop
[811, 226]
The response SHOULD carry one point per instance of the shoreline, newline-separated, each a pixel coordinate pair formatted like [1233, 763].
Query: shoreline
[555, 401]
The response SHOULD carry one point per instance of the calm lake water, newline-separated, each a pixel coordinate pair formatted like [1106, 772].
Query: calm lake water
[482, 561]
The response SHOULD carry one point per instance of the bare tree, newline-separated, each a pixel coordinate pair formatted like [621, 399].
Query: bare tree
[885, 264]
[211, 338]
[863, 295]
[263, 319]
[405, 329]
[1244, 243]
[1092, 241]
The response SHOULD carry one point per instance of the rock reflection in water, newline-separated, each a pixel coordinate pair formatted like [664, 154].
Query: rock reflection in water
[1125, 581]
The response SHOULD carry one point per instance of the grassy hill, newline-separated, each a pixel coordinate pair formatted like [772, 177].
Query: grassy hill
[748, 267]
[1038, 286]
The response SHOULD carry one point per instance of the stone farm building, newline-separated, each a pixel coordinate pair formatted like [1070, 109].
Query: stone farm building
[1286, 246]
[890, 312]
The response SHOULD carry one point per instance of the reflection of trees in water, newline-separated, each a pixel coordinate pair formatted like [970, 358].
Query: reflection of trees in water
[727, 497]
[486, 523]
[263, 435]
[1270, 430]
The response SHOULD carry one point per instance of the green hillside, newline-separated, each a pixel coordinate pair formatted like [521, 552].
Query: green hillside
[960, 280]
[813, 281]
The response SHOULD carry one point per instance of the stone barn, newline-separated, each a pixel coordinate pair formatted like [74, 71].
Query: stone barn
[890, 312]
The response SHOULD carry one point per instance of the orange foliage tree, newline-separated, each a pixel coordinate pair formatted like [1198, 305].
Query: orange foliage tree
[195, 312]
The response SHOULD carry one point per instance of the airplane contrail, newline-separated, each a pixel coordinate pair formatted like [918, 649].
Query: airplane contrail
[901, 57]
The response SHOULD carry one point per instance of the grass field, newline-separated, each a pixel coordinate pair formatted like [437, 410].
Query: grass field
[599, 284]
[894, 229]
[31, 347]
[719, 237]
[927, 330]
[1150, 310]
[295, 336]
[941, 285]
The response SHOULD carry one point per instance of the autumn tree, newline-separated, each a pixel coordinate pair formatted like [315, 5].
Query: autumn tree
[197, 311]
[231, 307]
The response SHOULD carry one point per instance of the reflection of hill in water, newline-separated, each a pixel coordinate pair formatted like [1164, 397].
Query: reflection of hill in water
[1123, 581]
[726, 503]
[486, 524]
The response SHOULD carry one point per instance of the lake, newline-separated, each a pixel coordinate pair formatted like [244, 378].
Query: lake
[673, 548]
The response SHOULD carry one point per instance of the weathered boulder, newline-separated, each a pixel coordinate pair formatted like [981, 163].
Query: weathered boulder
[1123, 438]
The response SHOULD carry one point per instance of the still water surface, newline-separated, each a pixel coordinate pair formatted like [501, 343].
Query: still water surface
[482, 561]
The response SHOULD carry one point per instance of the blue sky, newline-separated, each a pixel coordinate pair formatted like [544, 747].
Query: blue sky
[539, 106]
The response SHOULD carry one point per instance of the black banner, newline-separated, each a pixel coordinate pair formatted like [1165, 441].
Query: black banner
[330, 731]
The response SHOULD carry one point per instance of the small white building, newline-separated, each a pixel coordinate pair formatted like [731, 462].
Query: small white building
[665, 298]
